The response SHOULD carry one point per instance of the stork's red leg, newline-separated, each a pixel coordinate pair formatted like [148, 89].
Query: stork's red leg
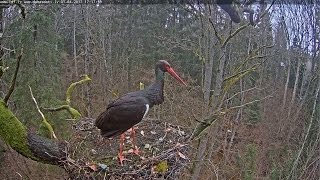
[120, 155]
[135, 147]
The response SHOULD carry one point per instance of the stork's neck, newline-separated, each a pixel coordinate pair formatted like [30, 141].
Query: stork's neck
[154, 92]
[159, 75]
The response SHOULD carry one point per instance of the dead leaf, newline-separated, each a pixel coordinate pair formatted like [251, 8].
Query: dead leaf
[168, 129]
[93, 166]
[153, 132]
[182, 155]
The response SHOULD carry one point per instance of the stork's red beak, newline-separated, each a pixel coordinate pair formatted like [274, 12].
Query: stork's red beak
[175, 75]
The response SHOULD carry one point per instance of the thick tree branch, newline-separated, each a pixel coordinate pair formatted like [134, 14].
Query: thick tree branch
[30, 145]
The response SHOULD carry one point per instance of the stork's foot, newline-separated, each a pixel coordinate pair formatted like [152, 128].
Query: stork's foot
[122, 158]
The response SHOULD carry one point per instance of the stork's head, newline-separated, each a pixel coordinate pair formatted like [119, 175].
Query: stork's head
[164, 66]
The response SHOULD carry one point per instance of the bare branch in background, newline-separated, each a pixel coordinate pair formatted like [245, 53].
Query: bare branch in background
[14, 79]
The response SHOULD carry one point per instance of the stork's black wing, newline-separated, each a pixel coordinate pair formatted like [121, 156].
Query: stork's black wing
[121, 115]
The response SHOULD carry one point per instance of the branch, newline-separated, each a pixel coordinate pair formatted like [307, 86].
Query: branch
[253, 55]
[73, 85]
[32, 146]
[233, 34]
[215, 30]
[13, 82]
[251, 102]
[22, 9]
[265, 12]
[226, 5]
[240, 92]
[74, 113]
[204, 124]
[44, 120]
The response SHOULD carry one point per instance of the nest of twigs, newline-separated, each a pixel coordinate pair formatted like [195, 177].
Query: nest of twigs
[165, 152]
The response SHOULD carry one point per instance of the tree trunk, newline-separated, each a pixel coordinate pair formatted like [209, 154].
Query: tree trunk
[209, 58]
[293, 98]
[219, 78]
[295, 163]
[74, 41]
[287, 84]
[202, 147]
[129, 49]
[1, 48]
[87, 64]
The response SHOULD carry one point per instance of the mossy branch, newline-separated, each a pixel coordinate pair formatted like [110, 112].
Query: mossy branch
[30, 145]
[12, 131]
[44, 120]
[204, 124]
[233, 34]
[14, 79]
[73, 112]
[73, 85]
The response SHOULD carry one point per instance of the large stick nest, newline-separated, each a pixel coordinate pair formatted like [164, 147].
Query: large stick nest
[164, 146]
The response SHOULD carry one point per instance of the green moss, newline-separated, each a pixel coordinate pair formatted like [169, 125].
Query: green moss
[73, 85]
[13, 132]
[74, 113]
[162, 167]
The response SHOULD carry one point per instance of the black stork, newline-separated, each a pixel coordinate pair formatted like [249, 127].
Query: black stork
[128, 110]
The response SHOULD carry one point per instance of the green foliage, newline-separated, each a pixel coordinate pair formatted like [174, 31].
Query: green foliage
[280, 170]
[254, 112]
[275, 173]
[281, 161]
[250, 162]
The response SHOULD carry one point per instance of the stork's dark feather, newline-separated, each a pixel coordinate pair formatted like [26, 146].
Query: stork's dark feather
[122, 114]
